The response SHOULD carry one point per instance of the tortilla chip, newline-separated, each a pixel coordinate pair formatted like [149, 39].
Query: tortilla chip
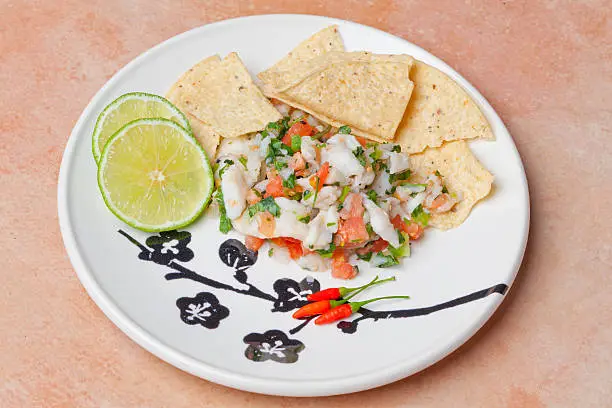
[365, 91]
[222, 95]
[439, 111]
[462, 174]
[319, 43]
[206, 135]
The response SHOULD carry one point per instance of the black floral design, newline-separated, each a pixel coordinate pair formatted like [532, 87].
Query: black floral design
[292, 295]
[203, 309]
[272, 345]
[167, 247]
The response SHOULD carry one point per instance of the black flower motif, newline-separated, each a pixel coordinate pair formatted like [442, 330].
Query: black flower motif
[272, 345]
[292, 295]
[167, 247]
[234, 254]
[347, 327]
[203, 309]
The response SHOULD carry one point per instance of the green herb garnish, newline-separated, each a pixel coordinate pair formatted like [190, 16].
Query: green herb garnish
[227, 164]
[404, 175]
[437, 173]
[419, 215]
[267, 204]
[304, 219]
[327, 253]
[296, 143]
[243, 160]
[290, 182]
[322, 133]
[372, 195]
[307, 194]
[225, 224]
[369, 229]
[396, 149]
[365, 257]
[385, 260]
[331, 224]
[359, 154]
[345, 192]
[444, 189]
[344, 130]
[270, 252]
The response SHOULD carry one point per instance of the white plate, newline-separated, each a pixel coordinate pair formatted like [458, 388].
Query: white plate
[153, 297]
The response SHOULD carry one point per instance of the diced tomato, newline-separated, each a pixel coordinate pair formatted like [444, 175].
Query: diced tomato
[293, 245]
[297, 162]
[301, 128]
[253, 243]
[274, 188]
[351, 231]
[362, 141]
[413, 229]
[353, 207]
[323, 173]
[266, 224]
[341, 269]
[376, 246]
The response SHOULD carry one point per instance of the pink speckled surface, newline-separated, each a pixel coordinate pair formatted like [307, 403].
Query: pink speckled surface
[546, 66]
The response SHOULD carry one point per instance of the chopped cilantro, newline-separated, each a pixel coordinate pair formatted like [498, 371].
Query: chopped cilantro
[365, 257]
[345, 191]
[372, 195]
[279, 165]
[419, 215]
[344, 130]
[225, 224]
[327, 253]
[331, 224]
[437, 173]
[444, 189]
[243, 160]
[296, 143]
[270, 252]
[384, 261]
[227, 164]
[399, 176]
[290, 182]
[305, 219]
[360, 155]
[267, 204]
[376, 154]
[396, 149]
[307, 194]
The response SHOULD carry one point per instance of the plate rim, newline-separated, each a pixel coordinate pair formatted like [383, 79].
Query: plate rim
[222, 376]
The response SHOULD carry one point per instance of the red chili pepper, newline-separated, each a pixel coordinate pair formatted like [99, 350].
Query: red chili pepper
[337, 293]
[317, 308]
[346, 310]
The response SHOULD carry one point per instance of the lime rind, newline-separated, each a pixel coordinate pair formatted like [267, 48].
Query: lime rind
[97, 152]
[130, 220]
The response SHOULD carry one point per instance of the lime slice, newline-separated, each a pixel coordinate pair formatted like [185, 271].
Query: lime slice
[154, 175]
[129, 107]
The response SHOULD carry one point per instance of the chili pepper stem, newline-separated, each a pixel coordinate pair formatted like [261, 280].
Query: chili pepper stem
[355, 306]
[348, 291]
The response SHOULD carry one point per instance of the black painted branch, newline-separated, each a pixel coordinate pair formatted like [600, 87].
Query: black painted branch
[133, 241]
[301, 325]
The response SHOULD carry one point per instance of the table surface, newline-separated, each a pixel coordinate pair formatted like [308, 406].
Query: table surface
[545, 66]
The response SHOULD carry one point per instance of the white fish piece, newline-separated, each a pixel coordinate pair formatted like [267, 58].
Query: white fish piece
[381, 183]
[398, 162]
[331, 219]
[413, 202]
[379, 220]
[327, 197]
[361, 181]
[235, 148]
[261, 186]
[319, 237]
[314, 263]
[286, 225]
[335, 176]
[234, 188]
[403, 192]
[338, 153]
[309, 150]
